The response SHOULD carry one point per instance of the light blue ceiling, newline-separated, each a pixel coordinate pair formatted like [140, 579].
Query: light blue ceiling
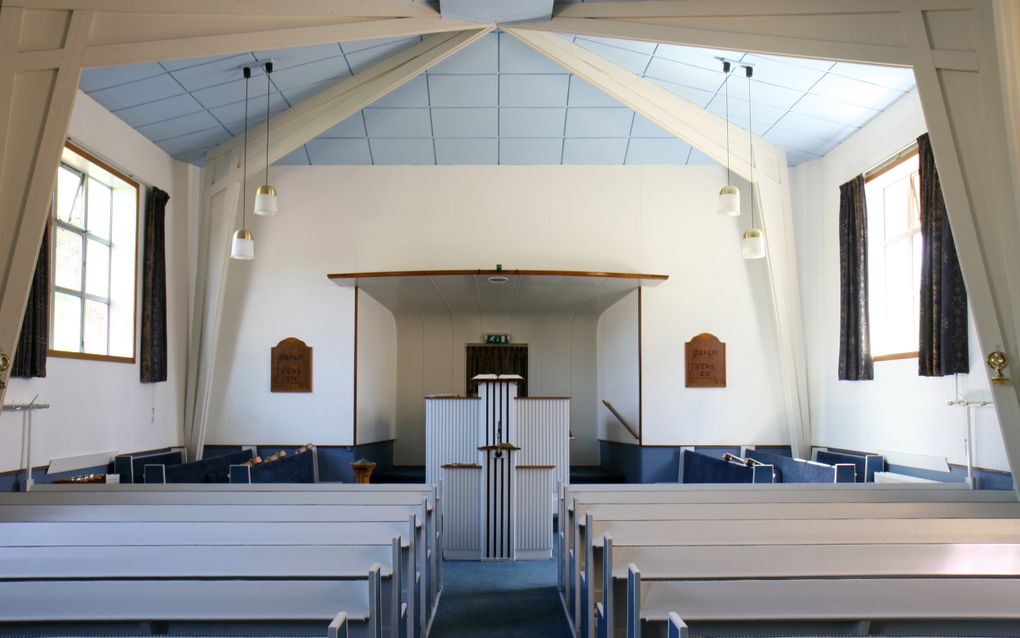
[497, 102]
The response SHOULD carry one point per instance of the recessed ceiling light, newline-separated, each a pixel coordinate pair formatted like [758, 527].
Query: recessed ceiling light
[498, 279]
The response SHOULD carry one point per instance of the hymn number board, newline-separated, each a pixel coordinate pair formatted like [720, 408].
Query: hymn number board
[706, 362]
[291, 366]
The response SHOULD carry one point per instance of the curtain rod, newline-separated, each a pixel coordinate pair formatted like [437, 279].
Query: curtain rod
[891, 160]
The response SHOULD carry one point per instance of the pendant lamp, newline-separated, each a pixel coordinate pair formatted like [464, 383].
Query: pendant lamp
[265, 196]
[243, 245]
[729, 196]
[752, 246]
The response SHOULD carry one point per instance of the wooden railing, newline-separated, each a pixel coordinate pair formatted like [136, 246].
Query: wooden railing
[623, 421]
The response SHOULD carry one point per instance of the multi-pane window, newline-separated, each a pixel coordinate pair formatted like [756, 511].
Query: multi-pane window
[894, 258]
[94, 225]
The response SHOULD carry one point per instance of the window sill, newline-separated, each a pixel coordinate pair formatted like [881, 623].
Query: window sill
[895, 356]
[87, 356]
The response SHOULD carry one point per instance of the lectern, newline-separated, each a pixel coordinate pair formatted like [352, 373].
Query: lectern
[492, 454]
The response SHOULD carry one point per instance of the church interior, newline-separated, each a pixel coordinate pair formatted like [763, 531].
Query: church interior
[523, 318]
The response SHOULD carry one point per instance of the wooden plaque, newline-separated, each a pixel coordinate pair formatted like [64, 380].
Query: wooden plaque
[291, 366]
[706, 362]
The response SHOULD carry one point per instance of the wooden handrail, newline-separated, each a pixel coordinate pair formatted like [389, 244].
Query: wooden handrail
[619, 417]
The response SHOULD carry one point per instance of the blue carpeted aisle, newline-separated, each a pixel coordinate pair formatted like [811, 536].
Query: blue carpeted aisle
[499, 600]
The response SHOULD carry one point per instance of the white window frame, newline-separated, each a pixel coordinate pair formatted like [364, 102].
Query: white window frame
[907, 155]
[87, 236]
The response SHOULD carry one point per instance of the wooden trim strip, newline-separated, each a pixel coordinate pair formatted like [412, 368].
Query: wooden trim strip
[895, 356]
[536, 467]
[546, 273]
[87, 356]
[461, 466]
[541, 398]
[452, 396]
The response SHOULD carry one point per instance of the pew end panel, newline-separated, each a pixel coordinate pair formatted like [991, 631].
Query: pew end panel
[338, 627]
[676, 627]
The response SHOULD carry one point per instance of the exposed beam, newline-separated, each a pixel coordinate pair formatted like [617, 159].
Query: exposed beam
[194, 36]
[303, 122]
[707, 132]
[35, 109]
[714, 34]
[737, 8]
[334, 8]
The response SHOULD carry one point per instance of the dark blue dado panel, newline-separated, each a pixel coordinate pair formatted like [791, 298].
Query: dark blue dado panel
[661, 464]
[334, 460]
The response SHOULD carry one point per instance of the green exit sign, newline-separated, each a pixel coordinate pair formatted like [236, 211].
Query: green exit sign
[497, 339]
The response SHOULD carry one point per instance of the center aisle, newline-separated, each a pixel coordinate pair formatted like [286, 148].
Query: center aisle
[497, 600]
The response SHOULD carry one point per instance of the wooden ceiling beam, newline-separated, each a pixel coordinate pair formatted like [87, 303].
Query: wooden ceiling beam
[236, 8]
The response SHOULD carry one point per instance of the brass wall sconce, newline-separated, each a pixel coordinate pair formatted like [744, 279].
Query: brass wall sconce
[997, 361]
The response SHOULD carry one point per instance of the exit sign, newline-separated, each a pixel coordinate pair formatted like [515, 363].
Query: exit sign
[497, 339]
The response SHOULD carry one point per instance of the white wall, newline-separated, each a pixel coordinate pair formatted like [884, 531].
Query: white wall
[377, 371]
[561, 362]
[898, 411]
[618, 369]
[609, 218]
[101, 406]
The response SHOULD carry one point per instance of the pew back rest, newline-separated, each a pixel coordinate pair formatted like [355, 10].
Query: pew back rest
[813, 531]
[701, 468]
[791, 470]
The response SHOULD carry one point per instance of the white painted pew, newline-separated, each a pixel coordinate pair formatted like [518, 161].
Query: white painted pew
[783, 561]
[209, 604]
[916, 606]
[575, 562]
[577, 497]
[52, 534]
[305, 493]
[266, 502]
[325, 563]
[774, 532]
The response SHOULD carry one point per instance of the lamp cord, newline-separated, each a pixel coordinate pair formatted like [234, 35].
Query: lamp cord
[244, 174]
[726, 89]
[269, 69]
[750, 138]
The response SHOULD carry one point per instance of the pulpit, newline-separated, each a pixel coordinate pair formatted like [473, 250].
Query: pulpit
[499, 459]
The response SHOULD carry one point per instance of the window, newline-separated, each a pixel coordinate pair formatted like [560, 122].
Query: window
[894, 257]
[94, 224]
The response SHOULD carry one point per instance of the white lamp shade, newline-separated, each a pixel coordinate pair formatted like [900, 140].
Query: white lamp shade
[243, 246]
[729, 201]
[752, 246]
[265, 201]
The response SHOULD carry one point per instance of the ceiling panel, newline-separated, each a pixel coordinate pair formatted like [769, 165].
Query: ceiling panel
[452, 151]
[498, 101]
[530, 151]
[482, 123]
[531, 122]
[611, 122]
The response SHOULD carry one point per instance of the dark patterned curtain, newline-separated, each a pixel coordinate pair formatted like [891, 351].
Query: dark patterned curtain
[485, 359]
[153, 368]
[30, 356]
[943, 347]
[855, 363]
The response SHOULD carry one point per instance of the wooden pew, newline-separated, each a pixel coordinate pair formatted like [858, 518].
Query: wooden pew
[730, 533]
[207, 605]
[818, 607]
[73, 568]
[226, 534]
[663, 493]
[268, 498]
[783, 561]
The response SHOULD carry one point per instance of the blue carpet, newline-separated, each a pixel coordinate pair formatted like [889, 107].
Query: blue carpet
[499, 600]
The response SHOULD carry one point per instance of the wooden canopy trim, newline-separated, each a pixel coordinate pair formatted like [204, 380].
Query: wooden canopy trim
[349, 278]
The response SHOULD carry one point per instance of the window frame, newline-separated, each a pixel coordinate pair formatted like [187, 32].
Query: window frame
[905, 155]
[54, 224]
